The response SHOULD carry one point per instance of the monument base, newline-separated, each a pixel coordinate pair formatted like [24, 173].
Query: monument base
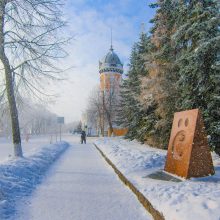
[161, 175]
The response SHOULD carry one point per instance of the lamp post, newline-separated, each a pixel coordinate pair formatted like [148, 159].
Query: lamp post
[60, 121]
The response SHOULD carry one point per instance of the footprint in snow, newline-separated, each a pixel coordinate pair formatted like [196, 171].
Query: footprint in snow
[210, 204]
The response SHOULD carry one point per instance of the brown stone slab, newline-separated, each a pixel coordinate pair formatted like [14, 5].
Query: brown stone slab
[188, 152]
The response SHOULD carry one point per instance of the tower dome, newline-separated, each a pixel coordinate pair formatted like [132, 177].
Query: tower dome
[110, 63]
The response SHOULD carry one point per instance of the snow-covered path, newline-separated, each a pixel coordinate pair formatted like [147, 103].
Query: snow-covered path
[81, 186]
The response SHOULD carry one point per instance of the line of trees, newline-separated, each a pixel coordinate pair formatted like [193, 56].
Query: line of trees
[34, 119]
[175, 67]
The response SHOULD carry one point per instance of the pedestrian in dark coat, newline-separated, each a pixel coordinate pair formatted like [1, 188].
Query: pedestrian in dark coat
[83, 137]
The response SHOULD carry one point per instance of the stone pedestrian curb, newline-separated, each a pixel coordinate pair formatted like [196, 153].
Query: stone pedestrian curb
[142, 199]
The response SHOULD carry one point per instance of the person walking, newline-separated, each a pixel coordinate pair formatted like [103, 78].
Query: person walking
[83, 137]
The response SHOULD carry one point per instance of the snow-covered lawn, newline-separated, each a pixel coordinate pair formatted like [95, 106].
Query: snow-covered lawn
[35, 142]
[18, 177]
[194, 199]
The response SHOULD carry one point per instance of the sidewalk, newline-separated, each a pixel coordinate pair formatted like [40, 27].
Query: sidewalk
[81, 186]
[142, 166]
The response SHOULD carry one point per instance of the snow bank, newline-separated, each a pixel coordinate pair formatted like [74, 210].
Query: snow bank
[195, 199]
[18, 177]
[35, 142]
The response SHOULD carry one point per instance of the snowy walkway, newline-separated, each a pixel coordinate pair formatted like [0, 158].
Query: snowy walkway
[81, 186]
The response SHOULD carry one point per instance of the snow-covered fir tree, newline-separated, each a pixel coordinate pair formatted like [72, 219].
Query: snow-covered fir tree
[131, 113]
[197, 39]
[159, 92]
[175, 69]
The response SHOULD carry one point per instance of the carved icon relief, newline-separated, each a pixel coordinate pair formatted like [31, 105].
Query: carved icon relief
[179, 141]
[188, 152]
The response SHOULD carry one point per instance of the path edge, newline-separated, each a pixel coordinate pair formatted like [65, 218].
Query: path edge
[142, 199]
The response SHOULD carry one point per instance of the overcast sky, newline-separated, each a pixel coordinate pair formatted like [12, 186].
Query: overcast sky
[90, 22]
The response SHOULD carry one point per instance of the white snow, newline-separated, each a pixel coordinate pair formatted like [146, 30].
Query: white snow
[196, 199]
[81, 186]
[34, 143]
[19, 177]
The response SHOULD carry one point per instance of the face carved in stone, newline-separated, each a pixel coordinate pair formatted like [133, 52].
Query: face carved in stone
[179, 141]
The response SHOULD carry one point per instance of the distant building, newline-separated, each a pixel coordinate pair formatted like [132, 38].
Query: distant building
[111, 70]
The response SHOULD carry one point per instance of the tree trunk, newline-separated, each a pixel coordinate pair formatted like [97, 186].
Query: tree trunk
[10, 88]
[103, 113]
[100, 122]
[109, 119]
[109, 122]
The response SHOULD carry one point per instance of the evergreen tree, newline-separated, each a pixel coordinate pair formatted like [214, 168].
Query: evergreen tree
[177, 68]
[131, 114]
[162, 74]
[197, 40]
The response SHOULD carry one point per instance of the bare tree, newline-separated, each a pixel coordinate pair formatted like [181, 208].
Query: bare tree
[95, 109]
[102, 106]
[28, 46]
[111, 101]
